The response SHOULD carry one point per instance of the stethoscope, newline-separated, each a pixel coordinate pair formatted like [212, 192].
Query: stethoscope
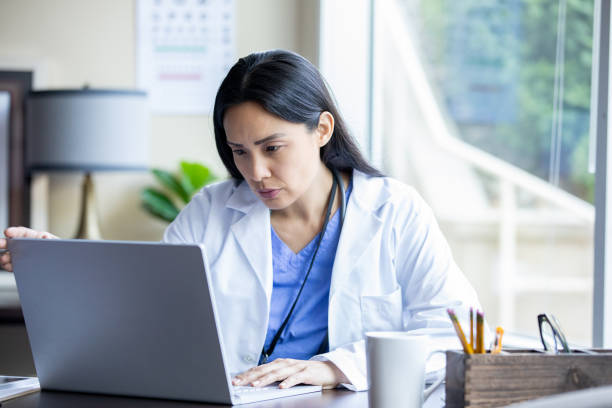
[336, 183]
[338, 180]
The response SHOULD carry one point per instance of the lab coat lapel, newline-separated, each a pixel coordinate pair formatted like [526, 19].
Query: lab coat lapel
[252, 232]
[361, 227]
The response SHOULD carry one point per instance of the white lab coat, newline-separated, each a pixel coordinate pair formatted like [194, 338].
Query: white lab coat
[393, 269]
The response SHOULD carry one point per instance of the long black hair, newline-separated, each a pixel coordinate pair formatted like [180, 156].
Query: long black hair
[286, 85]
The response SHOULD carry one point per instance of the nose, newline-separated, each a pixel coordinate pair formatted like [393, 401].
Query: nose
[259, 169]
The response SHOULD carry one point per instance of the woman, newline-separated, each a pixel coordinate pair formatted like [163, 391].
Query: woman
[308, 245]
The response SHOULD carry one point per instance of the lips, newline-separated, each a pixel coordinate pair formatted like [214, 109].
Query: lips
[268, 193]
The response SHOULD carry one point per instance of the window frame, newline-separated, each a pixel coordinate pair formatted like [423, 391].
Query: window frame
[600, 91]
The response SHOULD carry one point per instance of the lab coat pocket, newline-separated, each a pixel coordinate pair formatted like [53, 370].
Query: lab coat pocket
[382, 312]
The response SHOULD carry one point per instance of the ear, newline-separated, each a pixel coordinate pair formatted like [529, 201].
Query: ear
[325, 128]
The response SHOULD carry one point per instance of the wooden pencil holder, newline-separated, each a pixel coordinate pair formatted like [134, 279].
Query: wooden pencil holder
[494, 380]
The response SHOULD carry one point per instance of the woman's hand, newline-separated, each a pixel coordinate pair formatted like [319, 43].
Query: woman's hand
[18, 232]
[291, 372]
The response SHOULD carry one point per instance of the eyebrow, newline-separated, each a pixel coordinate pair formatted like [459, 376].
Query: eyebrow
[260, 141]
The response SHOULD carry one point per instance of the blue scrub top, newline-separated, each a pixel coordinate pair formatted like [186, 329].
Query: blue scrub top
[306, 331]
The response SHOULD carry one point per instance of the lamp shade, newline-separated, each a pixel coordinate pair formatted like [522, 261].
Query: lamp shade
[87, 130]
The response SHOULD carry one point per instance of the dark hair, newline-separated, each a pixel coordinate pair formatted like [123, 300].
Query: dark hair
[290, 87]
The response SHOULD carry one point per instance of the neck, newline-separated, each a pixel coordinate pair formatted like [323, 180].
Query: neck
[311, 206]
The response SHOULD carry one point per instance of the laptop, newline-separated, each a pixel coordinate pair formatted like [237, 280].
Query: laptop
[126, 318]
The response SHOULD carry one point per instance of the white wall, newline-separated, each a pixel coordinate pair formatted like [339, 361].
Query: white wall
[344, 60]
[74, 42]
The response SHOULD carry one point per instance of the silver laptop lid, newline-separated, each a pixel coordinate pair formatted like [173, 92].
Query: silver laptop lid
[121, 318]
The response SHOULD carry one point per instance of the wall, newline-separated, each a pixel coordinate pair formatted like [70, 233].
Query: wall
[75, 42]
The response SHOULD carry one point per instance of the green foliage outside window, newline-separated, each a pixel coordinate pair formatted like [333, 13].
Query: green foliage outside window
[526, 60]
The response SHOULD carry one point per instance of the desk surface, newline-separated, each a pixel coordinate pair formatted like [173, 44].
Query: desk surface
[48, 399]
[330, 398]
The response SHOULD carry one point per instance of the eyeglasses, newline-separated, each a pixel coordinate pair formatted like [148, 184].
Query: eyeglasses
[551, 334]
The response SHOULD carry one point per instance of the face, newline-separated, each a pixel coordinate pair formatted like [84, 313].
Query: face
[278, 159]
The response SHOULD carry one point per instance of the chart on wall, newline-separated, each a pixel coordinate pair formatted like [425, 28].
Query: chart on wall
[184, 49]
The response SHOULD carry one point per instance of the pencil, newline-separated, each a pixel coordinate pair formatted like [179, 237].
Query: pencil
[480, 333]
[466, 346]
[472, 327]
[499, 333]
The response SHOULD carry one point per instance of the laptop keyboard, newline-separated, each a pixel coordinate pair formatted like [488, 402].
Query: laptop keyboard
[247, 388]
[245, 394]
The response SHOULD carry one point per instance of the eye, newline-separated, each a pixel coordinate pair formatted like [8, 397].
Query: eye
[272, 148]
[238, 152]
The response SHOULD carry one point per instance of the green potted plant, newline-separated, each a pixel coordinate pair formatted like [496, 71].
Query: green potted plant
[178, 188]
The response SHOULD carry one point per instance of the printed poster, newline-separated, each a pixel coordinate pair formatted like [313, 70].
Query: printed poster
[184, 50]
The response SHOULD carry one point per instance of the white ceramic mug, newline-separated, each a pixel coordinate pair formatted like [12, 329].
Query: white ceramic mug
[396, 369]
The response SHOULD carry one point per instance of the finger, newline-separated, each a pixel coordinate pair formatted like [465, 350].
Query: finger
[23, 232]
[8, 267]
[300, 377]
[20, 232]
[3, 243]
[277, 375]
[5, 258]
[251, 375]
[246, 377]
[256, 372]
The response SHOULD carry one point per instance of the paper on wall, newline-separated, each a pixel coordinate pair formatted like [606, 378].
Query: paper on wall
[184, 49]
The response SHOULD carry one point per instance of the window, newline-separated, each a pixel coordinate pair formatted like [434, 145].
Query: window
[484, 108]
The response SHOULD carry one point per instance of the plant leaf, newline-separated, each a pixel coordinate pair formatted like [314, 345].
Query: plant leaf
[172, 183]
[158, 204]
[195, 176]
